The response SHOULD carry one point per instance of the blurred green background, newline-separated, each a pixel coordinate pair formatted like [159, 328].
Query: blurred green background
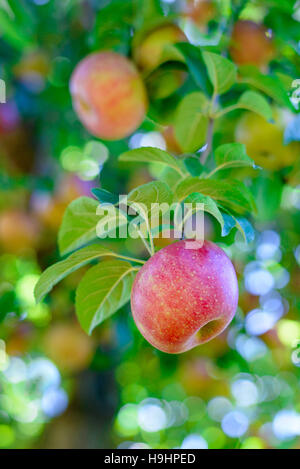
[60, 388]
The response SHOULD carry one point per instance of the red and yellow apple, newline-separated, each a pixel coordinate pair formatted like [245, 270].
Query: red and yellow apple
[108, 95]
[149, 52]
[184, 296]
[250, 44]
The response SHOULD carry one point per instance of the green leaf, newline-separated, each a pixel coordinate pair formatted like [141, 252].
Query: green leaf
[170, 176]
[242, 224]
[269, 85]
[264, 185]
[105, 196]
[79, 224]
[191, 122]
[110, 220]
[55, 273]
[193, 165]
[142, 198]
[108, 32]
[150, 193]
[103, 290]
[15, 30]
[255, 102]
[221, 71]
[232, 155]
[196, 65]
[233, 194]
[151, 155]
[209, 206]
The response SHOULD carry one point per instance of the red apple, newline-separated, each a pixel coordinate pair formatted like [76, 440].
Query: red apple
[185, 295]
[108, 95]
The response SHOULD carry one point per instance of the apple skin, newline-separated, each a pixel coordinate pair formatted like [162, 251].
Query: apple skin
[108, 95]
[250, 45]
[184, 296]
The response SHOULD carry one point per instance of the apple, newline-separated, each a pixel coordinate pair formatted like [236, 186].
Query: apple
[19, 231]
[170, 139]
[265, 142]
[108, 95]
[184, 296]
[250, 44]
[68, 346]
[149, 52]
[199, 11]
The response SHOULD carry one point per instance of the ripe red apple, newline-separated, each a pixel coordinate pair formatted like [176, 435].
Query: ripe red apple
[250, 44]
[185, 295]
[108, 95]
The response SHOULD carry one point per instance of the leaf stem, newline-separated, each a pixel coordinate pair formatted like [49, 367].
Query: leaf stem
[150, 239]
[131, 259]
[146, 244]
[225, 111]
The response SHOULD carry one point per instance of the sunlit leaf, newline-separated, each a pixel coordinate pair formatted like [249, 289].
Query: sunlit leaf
[155, 192]
[151, 155]
[255, 102]
[232, 194]
[191, 122]
[196, 65]
[79, 224]
[209, 206]
[104, 289]
[270, 85]
[232, 155]
[221, 71]
[55, 273]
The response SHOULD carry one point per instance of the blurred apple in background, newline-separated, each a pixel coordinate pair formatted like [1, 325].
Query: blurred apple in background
[199, 11]
[68, 346]
[19, 231]
[251, 44]
[264, 142]
[108, 95]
